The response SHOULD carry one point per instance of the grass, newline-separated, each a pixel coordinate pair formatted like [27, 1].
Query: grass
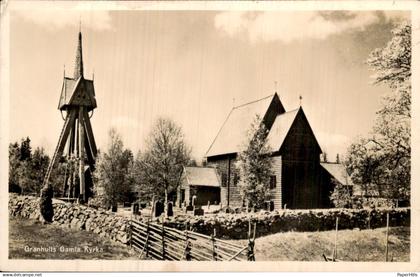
[352, 245]
[68, 244]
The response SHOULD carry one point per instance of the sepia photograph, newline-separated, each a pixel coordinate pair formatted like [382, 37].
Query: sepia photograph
[218, 135]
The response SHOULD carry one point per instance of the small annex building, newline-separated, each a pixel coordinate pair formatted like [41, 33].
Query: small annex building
[201, 182]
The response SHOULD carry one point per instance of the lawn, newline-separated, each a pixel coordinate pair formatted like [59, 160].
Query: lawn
[352, 245]
[26, 237]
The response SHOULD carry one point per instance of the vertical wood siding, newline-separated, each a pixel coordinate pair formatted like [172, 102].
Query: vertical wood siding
[276, 193]
[222, 166]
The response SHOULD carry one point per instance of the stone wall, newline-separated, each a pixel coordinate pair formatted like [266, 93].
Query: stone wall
[228, 226]
[235, 226]
[78, 217]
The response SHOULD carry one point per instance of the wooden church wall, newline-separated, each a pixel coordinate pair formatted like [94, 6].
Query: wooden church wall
[225, 166]
[301, 171]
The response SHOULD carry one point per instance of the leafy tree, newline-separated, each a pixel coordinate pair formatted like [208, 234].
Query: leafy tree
[24, 172]
[26, 169]
[164, 158]
[62, 171]
[382, 161]
[143, 191]
[254, 164]
[31, 171]
[39, 165]
[341, 196]
[113, 174]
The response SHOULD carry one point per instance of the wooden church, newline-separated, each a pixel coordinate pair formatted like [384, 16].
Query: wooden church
[300, 180]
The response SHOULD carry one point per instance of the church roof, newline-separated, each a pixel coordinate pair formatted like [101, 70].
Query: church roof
[339, 172]
[201, 176]
[233, 131]
[280, 129]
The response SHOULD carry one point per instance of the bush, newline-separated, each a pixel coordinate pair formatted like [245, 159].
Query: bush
[45, 204]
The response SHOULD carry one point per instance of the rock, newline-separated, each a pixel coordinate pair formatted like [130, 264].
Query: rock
[123, 227]
[77, 224]
[88, 224]
[122, 238]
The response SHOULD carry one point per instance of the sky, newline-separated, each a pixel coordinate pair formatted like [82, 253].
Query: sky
[194, 66]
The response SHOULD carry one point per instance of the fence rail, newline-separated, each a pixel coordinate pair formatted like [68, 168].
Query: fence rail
[163, 243]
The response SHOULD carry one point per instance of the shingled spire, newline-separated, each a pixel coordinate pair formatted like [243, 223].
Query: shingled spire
[78, 66]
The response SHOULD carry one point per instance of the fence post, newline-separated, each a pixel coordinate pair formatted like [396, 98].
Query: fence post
[387, 234]
[212, 238]
[130, 233]
[335, 240]
[251, 243]
[250, 253]
[163, 241]
[147, 240]
[187, 252]
[249, 227]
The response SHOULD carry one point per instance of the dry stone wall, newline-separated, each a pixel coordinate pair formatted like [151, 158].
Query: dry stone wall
[235, 226]
[228, 226]
[78, 217]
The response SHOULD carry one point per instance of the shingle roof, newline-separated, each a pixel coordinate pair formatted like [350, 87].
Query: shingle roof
[280, 129]
[72, 87]
[66, 91]
[201, 176]
[338, 171]
[233, 130]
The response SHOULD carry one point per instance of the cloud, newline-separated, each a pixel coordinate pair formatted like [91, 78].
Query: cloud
[56, 18]
[289, 26]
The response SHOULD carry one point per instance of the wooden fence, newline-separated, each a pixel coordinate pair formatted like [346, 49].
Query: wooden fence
[163, 243]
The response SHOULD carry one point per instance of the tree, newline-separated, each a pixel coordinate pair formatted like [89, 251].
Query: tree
[382, 161]
[255, 165]
[164, 158]
[341, 196]
[25, 149]
[25, 167]
[39, 165]
[14, 162]
[113, 174]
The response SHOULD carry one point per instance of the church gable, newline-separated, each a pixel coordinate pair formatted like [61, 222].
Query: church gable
[83, 95]
[300, 142]
[77, 93]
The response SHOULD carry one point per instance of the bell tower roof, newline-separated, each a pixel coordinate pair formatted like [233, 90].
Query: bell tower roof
[77, 91]
[78, 65]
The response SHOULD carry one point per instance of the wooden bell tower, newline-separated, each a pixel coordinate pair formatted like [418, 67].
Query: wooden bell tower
[77, 99]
